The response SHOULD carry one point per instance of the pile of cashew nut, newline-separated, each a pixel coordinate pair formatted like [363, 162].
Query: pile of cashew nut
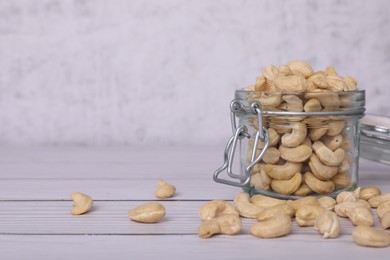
[306, 154]
[275, 217]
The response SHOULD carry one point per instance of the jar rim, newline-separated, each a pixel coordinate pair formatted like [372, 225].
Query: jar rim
[354, 102]
[300, 93]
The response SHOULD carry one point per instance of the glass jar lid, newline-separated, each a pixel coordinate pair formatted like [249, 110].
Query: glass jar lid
[375, 138]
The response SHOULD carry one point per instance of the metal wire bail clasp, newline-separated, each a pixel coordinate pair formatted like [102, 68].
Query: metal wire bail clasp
[240, 133]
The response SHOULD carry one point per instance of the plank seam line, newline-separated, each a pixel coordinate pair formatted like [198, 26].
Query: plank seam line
[95, 234]
[118, 200]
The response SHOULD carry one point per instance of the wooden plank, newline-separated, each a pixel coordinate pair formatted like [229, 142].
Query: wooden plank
[110, 217]
[107, 163]
[112, 189]
[189, 187]
[112, 154]
[180, 247]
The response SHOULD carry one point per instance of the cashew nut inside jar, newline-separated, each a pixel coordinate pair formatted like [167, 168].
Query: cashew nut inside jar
[296, 132]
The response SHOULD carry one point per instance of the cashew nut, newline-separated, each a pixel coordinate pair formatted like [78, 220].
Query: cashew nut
[277, 226]
[249, 88]
[345, 164]
[383, 208]
[326, 155]
[318, 186]
[320, 170]
[282, 172]
[270, 72]
[301, 66]
[369, 192]
[215, 208]
[229, 224]
[296, 137]
[303, 190]
[361, 216]
[385, 220]
[327, 202]
[164, 190]
[271, 155]
[273, 139]
[328, 224]
[297, 154]
[150, 212]
[316, 133]
[312, 105]
[348, 196]
[276, 210]
[329, 100]
[342, 180]
[305, 201]
[245, 207]
[265, 201]
[292, 83]
[287, 187]
[375, 201]
[336, 83]
[82, 203]
[284, 69]
[261, 84]
[335, 128]
[307, 215]
[267, 99]
[351, 83]
[293, 103]
[316, 82]
[344, 208]
[333, 142]
[369, 236]
[330, 71]
[307, 141]
[260, 180]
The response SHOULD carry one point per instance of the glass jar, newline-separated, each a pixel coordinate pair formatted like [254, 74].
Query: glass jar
[293, 145]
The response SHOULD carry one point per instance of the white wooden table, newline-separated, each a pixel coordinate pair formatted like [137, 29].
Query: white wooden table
[35, 219]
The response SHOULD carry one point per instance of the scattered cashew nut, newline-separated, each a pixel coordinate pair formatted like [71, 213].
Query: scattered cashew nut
[276, 226]
[215, 208]
[383, 212]
[375, 201]
[245, 207]
[348, 196]
[82, 203]
[150, 212]
[328, 224]
[276, 210]
[307, 215]
[229, 224]
[305, 201]
[265, 201]
[367, 193]
[327, 202]
[371, 237]
[344, 208]
[164, 190]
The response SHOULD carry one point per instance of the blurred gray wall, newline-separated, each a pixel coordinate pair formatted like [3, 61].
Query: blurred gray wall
[158, 72]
